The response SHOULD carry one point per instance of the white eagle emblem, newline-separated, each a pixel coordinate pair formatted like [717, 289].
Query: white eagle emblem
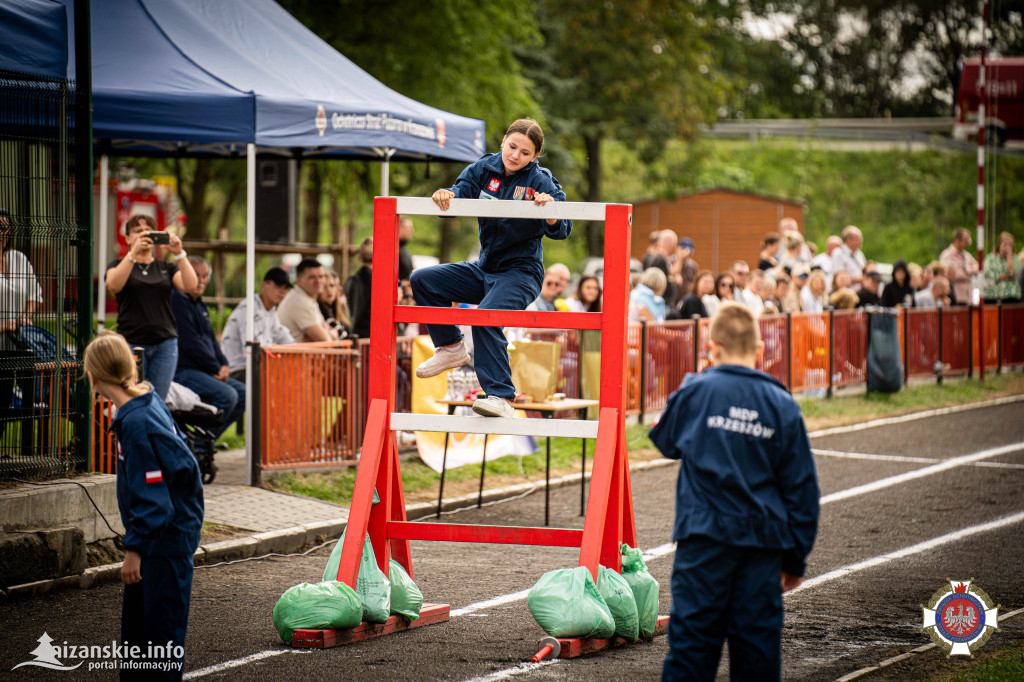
[960, 617]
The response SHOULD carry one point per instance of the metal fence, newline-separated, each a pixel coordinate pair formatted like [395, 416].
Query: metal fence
[45, 284]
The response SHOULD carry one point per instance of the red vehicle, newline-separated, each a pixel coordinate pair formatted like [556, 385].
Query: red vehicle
[1004, 100]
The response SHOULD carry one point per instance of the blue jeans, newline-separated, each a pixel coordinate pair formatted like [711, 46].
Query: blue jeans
[228, 396]
[441, 285]
[720, 592]
[158, 364]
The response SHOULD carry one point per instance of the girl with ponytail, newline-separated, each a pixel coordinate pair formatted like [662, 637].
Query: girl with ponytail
[160, 497]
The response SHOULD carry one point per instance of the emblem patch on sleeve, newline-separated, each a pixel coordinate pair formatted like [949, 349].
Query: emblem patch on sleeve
[155, 476]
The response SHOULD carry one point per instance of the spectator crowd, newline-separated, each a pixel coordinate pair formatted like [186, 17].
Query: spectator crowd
[161, 308]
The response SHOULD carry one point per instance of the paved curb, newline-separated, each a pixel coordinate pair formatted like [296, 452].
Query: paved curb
[286, 540]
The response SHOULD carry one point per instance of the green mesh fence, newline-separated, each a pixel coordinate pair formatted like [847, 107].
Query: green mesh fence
[43, 420]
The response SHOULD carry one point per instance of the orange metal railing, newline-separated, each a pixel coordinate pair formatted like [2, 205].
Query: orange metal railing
[308, 414]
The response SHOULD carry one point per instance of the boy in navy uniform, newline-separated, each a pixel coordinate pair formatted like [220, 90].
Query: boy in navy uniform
[747, 504]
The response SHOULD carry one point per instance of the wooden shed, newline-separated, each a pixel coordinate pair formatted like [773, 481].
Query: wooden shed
[725, 225]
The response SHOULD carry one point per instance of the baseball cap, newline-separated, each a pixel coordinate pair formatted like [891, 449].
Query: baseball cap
[278, 277]
[686, 243]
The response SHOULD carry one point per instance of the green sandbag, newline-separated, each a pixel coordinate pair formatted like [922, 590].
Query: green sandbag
[406, 598]
[619, 596]
[328, 605]
[372, 585]
[645, 589]
[566, 603]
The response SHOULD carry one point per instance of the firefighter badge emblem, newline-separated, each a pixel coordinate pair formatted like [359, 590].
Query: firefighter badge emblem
[960, 617]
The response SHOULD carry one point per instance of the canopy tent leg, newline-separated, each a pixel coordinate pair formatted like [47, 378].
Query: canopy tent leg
[250, 309]
[385, 172]
[104, 227]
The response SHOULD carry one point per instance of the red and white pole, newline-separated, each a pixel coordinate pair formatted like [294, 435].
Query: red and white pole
[981, 193]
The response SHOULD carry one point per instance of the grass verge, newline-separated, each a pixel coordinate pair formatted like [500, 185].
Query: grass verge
[1007, 664]
[420, 482]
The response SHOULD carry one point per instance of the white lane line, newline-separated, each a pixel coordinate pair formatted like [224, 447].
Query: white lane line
[654, 553]
[227, 665]
[515, 671]
[852, 428]
[902, 458]
[857, 674]
[909, 551]
[496, 601]
[881, 458]
[920, 473]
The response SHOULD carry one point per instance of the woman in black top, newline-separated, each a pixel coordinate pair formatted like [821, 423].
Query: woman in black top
[142, 285]
[898, 291]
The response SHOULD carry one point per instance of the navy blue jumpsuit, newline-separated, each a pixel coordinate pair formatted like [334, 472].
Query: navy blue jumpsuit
[160, 496]
[509, 272]
[747, 504]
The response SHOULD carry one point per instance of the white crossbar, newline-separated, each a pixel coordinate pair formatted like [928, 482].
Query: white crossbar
[568, 428]
[484, 208]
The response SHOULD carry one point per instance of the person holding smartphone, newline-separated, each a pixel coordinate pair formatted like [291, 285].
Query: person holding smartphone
[142, 285]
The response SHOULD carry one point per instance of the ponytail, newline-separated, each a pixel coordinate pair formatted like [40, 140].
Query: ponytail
[109, 360]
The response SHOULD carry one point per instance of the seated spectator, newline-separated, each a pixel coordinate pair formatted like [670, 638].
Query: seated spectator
[936, 296]
[793, 242]
[299, 311]
[824, 260]
[723, 292]
[841, 280]
[645, 300]
[869, 286]
[770, 246]
[812, 296]
[556, 278]
[332, 303]
[781, 294]
[692, 304]
[359, 291]
[752, 294]
[587, 298]
[740, 274]
[844, 299]
[800, 276]
[898, 292]
[202, 365]
[1002, 272]
[267, 329]
[917, 281]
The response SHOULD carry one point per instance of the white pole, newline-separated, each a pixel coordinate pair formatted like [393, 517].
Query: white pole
[104, 228]
[385, 172]
[250, 286]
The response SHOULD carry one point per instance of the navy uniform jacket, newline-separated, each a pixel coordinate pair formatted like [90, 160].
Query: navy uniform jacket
[197, 346]
[509, 243]
[159, 487]
[747, 477]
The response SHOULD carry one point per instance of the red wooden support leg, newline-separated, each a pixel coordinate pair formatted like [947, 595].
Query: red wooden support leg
[362, 498]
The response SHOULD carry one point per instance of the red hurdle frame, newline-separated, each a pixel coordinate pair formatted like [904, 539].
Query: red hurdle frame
[609, 519]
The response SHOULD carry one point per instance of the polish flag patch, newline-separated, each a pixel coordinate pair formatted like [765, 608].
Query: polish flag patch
[155, 476]
[493, 185]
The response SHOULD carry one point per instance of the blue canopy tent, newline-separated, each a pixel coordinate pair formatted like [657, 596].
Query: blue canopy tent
[220, 77]
[205, 76]
[34, 38]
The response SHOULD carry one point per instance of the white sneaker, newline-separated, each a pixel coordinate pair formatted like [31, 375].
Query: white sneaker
[444, 359]
[493, 406]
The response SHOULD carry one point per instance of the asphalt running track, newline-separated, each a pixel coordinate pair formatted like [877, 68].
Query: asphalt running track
[905, 506]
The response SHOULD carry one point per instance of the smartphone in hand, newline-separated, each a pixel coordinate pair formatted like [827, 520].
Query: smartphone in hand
[160, 237]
